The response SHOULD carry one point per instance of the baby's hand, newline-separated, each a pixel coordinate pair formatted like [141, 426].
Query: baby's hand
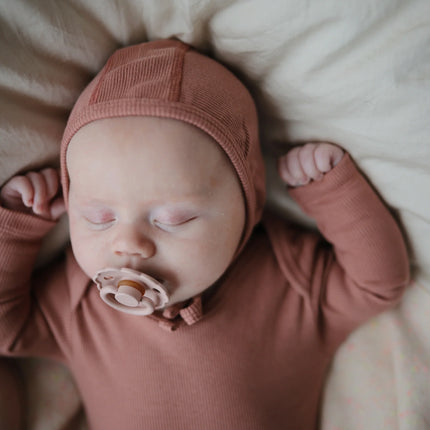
[310, 162]
[35, 192]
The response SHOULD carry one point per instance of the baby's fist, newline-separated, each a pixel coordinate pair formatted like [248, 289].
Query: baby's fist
[35, 192]
[307, 163]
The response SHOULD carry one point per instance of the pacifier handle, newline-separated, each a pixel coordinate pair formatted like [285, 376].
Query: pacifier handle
[120, 300]
[130, 291]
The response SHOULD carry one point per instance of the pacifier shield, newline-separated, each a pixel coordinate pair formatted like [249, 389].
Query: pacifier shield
[130, 291]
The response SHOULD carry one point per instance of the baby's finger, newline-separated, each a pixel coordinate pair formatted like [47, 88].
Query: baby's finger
[307, 162]
[52, 181]
[40, 198]
[327, 156]
[57, 208]
[295, 167]
[290, 169]
[19, 188]
[283, 170]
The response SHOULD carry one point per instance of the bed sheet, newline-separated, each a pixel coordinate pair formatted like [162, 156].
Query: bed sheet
[355, 73]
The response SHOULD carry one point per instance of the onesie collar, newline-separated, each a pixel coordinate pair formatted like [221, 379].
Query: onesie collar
[180, 314]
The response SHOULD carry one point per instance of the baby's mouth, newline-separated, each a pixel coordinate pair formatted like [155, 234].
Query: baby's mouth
[131, 291]
[151, 273]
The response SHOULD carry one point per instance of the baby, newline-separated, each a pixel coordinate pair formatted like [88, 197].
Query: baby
[181, 305]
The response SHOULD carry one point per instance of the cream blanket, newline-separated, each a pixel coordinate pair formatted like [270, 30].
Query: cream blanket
[352, 72]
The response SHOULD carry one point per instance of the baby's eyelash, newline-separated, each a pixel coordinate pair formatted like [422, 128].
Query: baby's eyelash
[165, 224]
[99, 225]
[99, 222]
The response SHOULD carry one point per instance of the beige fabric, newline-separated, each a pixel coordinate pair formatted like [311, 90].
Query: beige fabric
[380, 377]
[357, 73]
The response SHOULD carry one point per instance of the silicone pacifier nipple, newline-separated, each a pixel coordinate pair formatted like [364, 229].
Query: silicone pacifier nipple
[131, 291]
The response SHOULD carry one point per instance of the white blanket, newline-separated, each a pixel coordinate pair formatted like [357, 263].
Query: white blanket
[353, 72]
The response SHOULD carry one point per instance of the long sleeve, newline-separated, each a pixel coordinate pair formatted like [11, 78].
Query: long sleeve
[361, 268]
[23, 324]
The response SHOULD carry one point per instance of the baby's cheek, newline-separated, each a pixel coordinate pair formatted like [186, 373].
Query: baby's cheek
[208, 260]
[87, 254]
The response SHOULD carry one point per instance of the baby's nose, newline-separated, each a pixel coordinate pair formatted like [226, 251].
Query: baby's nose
[132, 243]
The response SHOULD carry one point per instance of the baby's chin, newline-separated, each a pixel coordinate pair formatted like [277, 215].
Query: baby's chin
[179, 296]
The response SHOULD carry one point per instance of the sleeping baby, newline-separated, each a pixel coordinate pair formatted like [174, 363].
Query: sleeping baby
[181, 303]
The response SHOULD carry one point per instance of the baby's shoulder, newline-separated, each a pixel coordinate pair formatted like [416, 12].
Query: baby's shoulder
[287, 232]
[294, 247]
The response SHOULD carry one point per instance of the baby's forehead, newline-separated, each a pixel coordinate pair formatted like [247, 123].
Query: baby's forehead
[141, 133]
[153, 149]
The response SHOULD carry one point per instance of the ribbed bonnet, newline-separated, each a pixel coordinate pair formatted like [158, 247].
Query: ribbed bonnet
[169, 79]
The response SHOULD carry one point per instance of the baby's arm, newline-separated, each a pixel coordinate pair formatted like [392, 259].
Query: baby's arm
[35, 192]
[29, 205]
[362, 266]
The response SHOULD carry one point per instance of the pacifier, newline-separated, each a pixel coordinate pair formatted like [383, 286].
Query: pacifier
[130, 291]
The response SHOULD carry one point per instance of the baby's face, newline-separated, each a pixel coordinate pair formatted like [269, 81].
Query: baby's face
[155, 195]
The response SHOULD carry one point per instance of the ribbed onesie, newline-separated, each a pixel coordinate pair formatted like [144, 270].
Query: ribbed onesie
[250, 354]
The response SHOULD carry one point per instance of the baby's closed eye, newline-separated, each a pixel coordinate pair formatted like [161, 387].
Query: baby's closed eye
[168, 219]
[99, 217]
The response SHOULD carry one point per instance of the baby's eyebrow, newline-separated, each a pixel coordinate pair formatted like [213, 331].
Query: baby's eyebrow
[195, 193]
[188, 198]
[94, 202]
